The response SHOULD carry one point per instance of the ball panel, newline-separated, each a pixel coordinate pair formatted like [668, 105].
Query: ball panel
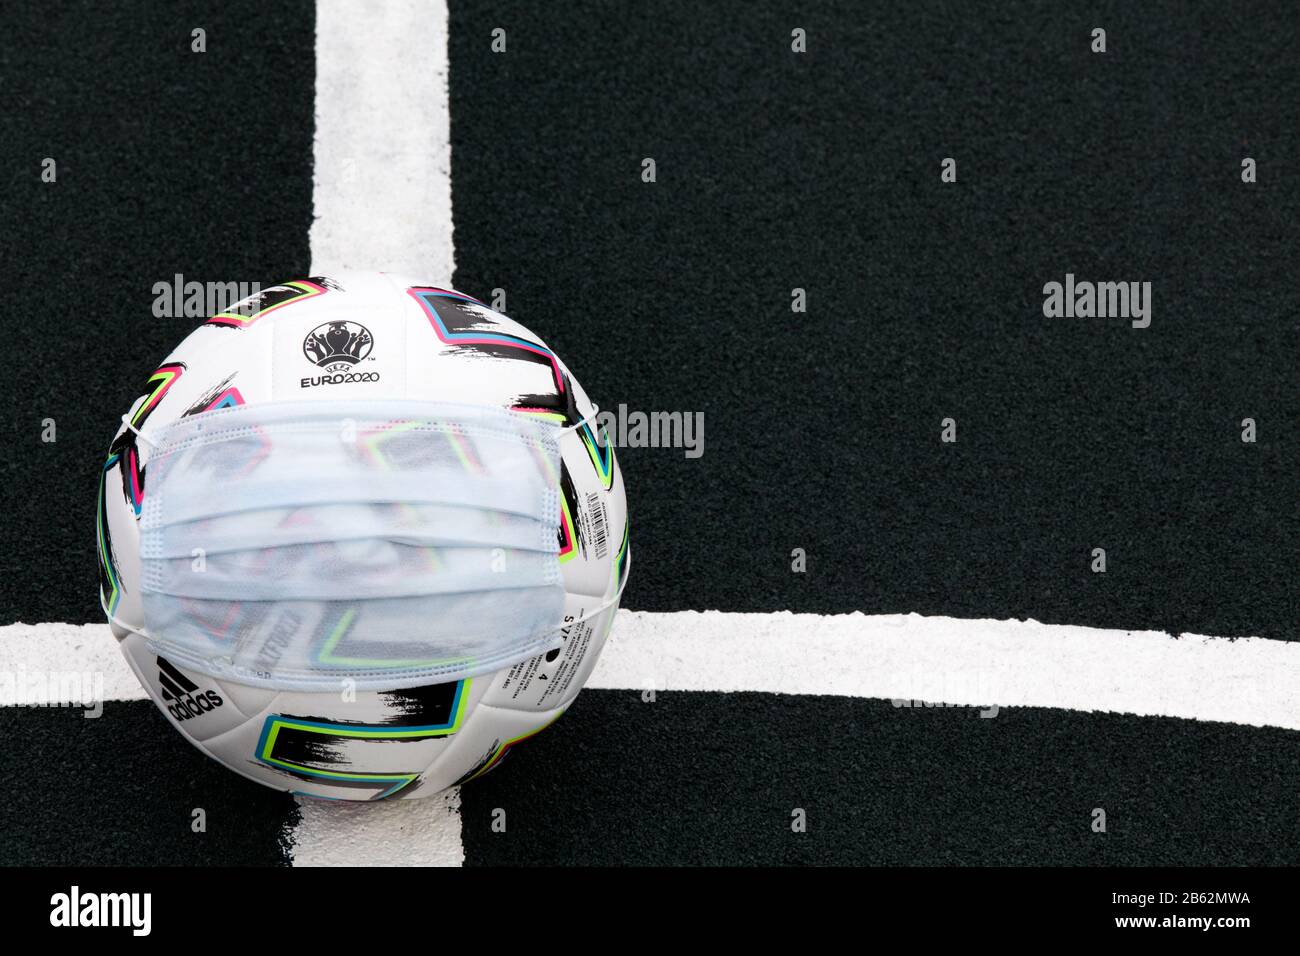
[486, 740]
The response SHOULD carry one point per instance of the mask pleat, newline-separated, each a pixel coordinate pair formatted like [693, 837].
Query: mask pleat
[298, 544]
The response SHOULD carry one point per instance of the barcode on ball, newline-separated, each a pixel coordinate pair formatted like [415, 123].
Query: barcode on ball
[599, 521]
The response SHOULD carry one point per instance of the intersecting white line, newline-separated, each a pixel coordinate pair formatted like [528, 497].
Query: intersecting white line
[1247, 680]
[382, 194]
[976, 663]
[979, 663]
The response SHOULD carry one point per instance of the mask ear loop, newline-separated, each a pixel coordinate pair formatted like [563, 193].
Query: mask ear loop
[604, 605]
[126, 420]
[588, 420]
[140, 631]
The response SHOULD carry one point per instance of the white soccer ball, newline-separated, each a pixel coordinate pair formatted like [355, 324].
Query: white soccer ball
[370, 336]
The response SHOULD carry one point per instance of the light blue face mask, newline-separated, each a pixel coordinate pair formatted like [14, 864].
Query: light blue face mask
[388, 543]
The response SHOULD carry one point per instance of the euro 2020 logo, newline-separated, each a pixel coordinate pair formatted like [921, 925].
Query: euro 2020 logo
[337, 345]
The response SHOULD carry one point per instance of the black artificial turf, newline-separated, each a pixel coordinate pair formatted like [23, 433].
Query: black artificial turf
[775, 171]
[123, 789]
[168, 162]
[715, 779]
[821, 171]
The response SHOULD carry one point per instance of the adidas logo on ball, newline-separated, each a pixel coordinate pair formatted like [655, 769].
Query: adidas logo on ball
[179, 690]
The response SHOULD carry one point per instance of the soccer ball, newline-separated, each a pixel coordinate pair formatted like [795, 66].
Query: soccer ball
[370, 336]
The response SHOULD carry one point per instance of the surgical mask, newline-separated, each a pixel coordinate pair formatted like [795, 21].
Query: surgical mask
[390, 543]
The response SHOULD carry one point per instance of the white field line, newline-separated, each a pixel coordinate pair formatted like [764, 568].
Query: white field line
[1247, 680]
[425, 832]
[382, 194]
[980, 663]
[37, 659]
[972, 662]
[381, 187]
[382, 163]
